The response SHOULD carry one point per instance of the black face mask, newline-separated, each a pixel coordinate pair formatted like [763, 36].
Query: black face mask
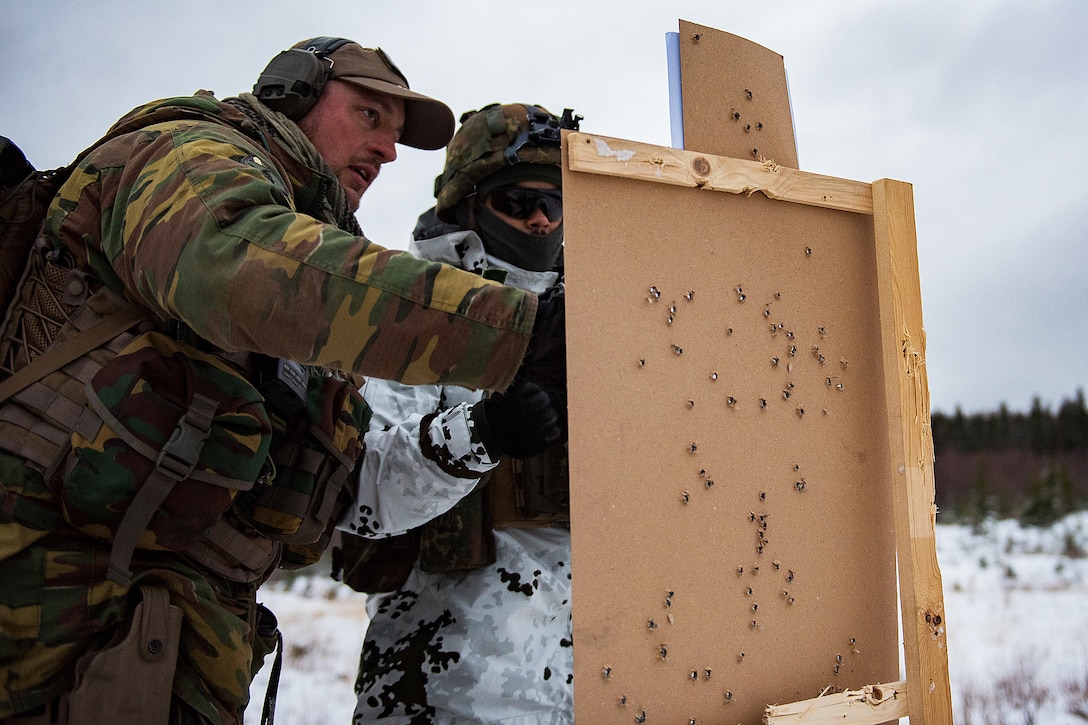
[532, 252]
[520, 202]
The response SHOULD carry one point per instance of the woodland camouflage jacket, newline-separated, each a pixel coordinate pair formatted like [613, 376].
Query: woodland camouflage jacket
[197, 219]
[193, 211]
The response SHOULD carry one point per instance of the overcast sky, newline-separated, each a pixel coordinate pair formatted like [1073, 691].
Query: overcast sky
[982, 105]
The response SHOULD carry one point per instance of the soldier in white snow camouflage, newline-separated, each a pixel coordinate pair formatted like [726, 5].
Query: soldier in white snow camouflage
[463, 498]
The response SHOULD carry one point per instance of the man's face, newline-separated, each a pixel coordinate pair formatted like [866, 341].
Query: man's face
[355, 130]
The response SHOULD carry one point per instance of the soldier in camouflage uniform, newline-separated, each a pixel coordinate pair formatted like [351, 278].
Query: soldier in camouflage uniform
[150, 485]
[480, 629]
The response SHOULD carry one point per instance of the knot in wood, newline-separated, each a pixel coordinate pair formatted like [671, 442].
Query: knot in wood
[700, 166]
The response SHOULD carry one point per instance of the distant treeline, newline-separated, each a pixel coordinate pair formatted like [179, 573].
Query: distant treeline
[1040, 430]
[1032, 466]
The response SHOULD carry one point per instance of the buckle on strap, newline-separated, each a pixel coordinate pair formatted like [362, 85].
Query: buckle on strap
[181, 453]
[175, 462]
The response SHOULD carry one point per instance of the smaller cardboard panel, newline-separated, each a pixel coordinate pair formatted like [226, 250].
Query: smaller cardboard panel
[733, 537]
[735, 97]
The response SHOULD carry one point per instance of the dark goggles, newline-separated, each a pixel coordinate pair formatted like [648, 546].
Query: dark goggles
[520, 202]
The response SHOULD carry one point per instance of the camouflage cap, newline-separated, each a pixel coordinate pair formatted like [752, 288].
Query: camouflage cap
[428, 123]
[494, 137]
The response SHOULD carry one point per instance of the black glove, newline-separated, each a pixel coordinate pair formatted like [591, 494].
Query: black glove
[545, 361]
[521, 422]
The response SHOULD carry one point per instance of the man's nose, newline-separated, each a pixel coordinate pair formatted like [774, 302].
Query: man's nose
[384, 145]
[538, 219]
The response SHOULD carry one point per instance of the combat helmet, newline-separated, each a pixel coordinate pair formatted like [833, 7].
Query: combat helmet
[492, 138]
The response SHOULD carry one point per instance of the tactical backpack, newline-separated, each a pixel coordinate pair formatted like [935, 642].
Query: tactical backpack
[25, 194]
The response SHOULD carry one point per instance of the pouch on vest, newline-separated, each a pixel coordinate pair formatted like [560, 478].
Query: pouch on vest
[460, 539]
[169, 435]
[297, 556]
[534, 492]
[312, 459]
[374, 566]
[543, 486]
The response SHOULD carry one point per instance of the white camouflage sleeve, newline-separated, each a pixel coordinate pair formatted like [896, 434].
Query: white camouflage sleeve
[422, 456]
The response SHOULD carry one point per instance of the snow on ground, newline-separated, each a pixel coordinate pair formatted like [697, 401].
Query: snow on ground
[323, 623]
[1016, 604]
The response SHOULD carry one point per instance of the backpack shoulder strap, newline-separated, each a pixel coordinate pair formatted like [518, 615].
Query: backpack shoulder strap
[65, 352]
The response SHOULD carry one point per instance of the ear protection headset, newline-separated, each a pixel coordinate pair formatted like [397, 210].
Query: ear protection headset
[293, 80]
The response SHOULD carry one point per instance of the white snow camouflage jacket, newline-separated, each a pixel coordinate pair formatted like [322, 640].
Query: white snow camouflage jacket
[489, 645]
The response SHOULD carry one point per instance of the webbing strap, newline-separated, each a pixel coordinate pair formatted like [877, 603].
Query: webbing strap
[74, 347]
[30, 437]
[254, 553]
[268, 712]
[14, 507]
[175, 462]
[324, 512]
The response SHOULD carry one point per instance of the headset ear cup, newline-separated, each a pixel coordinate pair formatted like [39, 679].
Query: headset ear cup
[292, 82]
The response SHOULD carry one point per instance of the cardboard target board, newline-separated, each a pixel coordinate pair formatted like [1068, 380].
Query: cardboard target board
[749, 445]
[735, 97]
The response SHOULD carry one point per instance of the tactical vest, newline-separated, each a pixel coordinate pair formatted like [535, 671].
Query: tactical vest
[529, 493]
[515, 494]
[149, 441]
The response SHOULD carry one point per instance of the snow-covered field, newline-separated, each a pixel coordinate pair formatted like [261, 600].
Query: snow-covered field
[1016, 602]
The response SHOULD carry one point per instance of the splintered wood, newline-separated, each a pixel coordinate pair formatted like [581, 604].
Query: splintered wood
[871, 705]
